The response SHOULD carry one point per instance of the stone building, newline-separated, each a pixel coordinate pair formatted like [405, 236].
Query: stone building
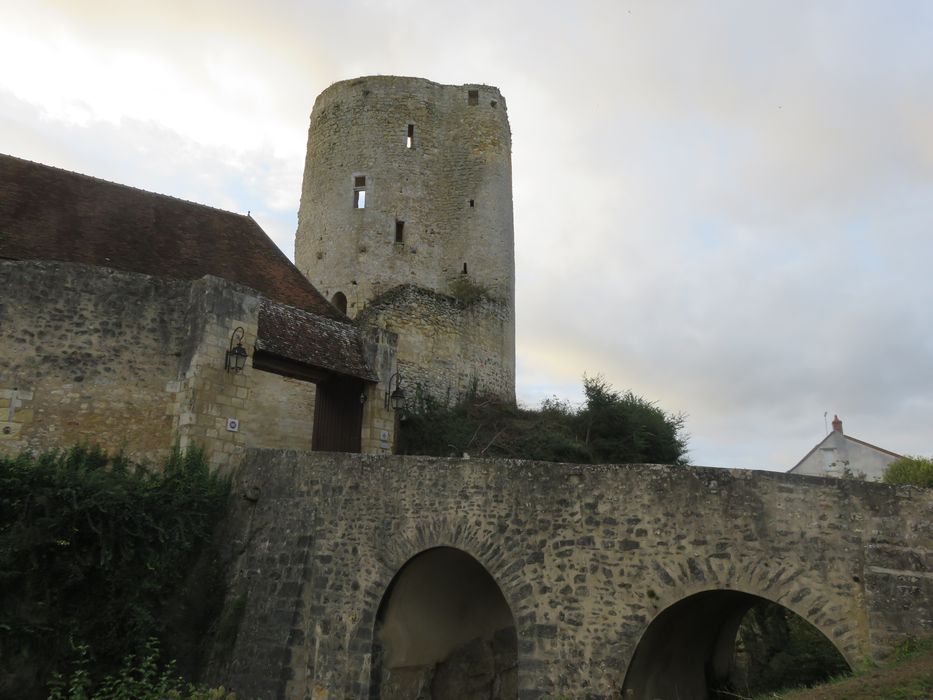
[406, 224]
[120, 307]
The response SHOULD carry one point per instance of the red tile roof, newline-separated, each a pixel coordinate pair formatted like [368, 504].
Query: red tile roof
[51, 214]
[312, 340]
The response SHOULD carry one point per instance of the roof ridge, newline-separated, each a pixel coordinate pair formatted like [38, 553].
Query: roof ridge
[868, 444]
[128, 187]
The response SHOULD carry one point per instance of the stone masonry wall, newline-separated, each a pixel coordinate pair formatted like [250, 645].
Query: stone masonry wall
[586, 557]
[452, 189]
[136, 363]
[380, 422]
[88, 355]
[446, 347]
[437, 215]
[286, 417]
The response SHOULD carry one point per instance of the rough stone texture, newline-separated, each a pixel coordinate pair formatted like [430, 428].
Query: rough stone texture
[586, 557]
[452, 189]
[447, 348]
[88, 355]
[135, 362]
[380, 422]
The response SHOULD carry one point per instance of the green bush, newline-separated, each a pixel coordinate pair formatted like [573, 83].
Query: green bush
[611, 426]
[96, 550]
[917, 471]
[145, 679]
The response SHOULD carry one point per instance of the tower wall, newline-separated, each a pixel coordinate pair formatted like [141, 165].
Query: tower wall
[434, 164]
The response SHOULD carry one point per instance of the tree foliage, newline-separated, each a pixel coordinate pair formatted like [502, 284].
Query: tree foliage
[917, 471]
[611, 426]
[95, 550]
[624, 427]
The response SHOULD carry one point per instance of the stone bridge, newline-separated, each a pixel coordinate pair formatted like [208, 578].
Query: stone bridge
[353, 574]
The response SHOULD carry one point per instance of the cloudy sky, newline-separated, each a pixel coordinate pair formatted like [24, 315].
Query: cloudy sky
[726, 206]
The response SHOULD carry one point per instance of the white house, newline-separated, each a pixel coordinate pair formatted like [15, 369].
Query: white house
[839, 455]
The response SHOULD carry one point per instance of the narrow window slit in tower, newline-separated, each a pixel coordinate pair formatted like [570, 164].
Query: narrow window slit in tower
[471, 204]
[399, 231]
[359, 192]
[411, 136]
[464, 268]
[473, 97]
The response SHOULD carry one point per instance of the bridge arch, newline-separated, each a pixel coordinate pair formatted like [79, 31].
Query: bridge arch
[443, 624]
[688, 648]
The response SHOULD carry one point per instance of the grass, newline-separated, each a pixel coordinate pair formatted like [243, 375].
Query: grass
[908, 676]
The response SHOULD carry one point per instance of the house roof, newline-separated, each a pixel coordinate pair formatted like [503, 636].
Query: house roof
[47, 213]
[312, 340]
[848, 438]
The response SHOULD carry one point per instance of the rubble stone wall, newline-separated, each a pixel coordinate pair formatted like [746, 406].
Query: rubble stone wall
[586, 556]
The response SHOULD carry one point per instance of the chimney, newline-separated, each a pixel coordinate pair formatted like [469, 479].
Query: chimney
[837, 424]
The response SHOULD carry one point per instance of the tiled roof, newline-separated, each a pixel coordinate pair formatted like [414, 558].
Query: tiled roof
[311, 339]
[51, 214]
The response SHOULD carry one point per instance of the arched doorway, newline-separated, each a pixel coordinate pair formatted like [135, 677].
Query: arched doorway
[688, 650]
[444, 630]
[340, 301]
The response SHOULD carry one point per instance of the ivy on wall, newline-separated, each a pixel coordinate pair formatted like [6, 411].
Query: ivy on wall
[100, 555]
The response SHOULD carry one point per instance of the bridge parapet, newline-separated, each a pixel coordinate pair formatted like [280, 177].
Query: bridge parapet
[586, 556]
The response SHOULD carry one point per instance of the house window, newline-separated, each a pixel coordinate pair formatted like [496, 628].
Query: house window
[410, 142]
[399, 231]
[473, 98]
[359, 192]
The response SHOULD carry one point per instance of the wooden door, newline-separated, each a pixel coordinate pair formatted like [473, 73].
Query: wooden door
[338, 415]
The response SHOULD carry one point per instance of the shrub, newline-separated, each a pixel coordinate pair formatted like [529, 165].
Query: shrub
[917, 471]
[95, 550]
[610, 427]
[145, 679]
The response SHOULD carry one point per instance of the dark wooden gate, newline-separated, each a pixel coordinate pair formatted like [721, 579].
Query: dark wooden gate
[338, 415]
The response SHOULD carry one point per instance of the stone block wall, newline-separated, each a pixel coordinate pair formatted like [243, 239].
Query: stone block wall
[380, 422]
[285, 419]
[586, 557]
[88, 355]
[136, 363]
[451, 186]
[268, 409]
[209, 396]
[434, 164]
[446, 347]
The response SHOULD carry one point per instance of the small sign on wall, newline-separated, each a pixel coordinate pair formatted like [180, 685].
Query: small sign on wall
[233, 425]
[384, 439]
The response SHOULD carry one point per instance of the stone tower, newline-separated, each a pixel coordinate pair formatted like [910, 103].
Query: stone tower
[406, 225]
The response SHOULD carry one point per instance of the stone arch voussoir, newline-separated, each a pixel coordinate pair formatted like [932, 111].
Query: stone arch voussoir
[501, 564]
[791, 583]
[428, 539]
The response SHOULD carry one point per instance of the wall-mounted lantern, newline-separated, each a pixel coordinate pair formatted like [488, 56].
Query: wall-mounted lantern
[236, 356]
[395, 399]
